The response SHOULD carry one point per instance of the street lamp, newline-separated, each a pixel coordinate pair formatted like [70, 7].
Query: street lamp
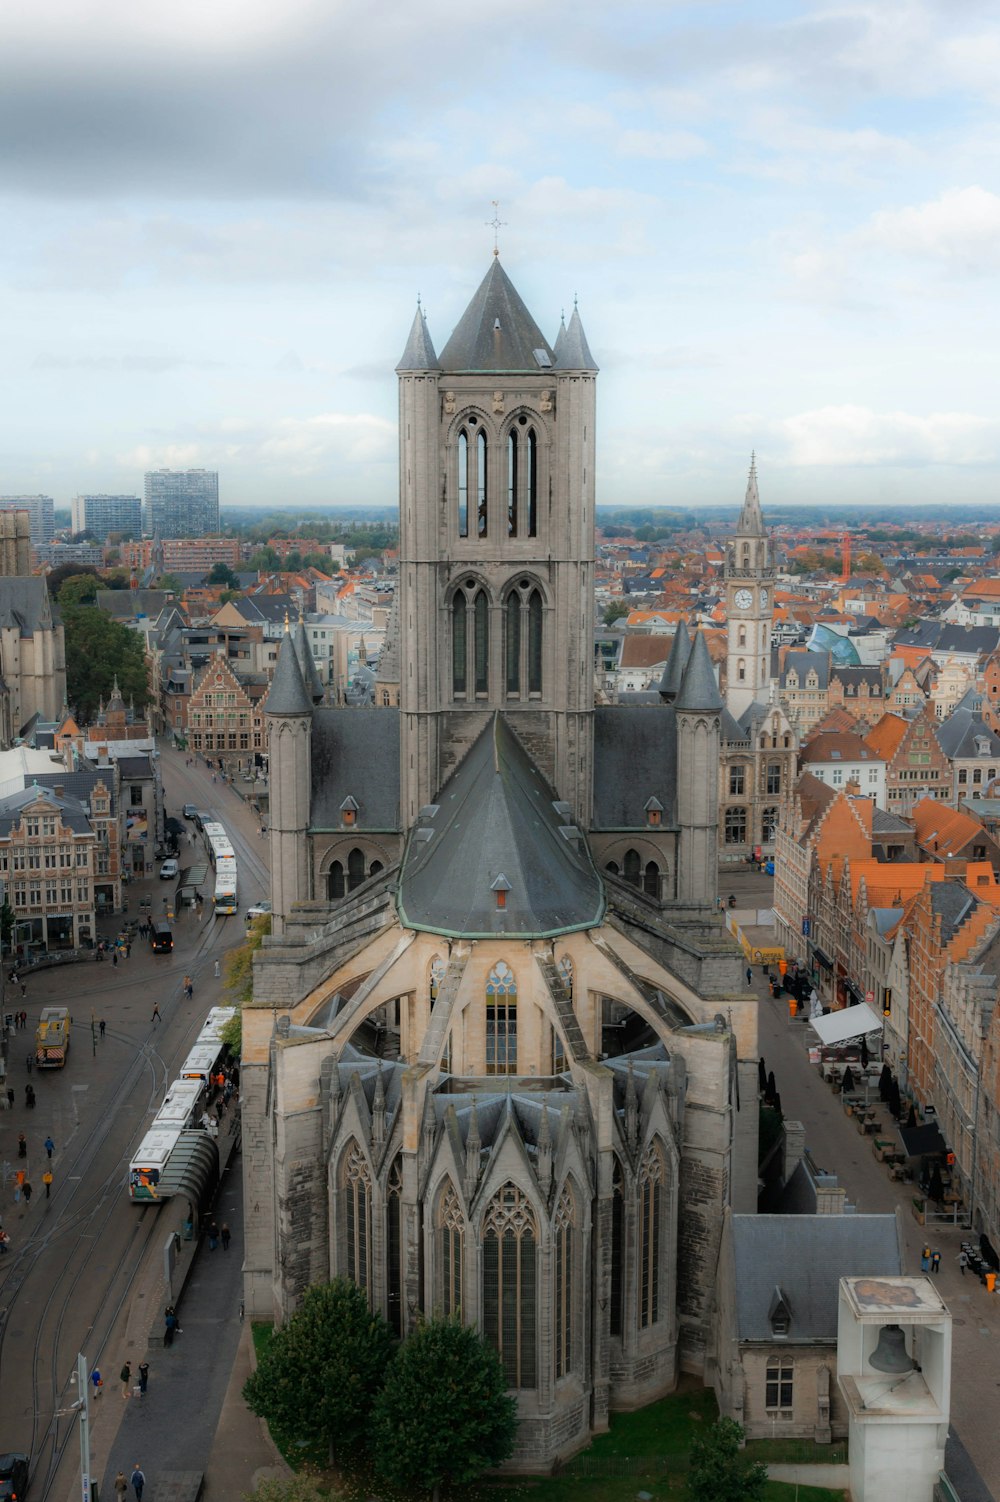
[88, 1488]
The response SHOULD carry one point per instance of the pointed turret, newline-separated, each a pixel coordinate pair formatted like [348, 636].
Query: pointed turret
[419, 352]
[673, 669]
[699, 689]
[560, 338]
[288, 694]
[574, 352]
[378, 1111]
[307, 664]
[751, 522]
[473, 1149]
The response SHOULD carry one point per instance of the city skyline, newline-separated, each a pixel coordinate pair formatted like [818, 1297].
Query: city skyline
[779, 225]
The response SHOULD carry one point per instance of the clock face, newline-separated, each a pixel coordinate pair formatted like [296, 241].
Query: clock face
[763, 599]
[742, 599]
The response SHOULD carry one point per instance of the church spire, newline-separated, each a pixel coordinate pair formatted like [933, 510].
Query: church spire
[751, 522]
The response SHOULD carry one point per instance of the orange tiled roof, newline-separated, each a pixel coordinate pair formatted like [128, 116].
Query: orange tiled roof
[941, 828]
[885, 737]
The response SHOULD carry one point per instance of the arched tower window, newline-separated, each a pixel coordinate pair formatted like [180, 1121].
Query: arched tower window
[355, 869]
[374, 868]
[535, 643]
[335, 882]
[356, 1198]
[463, 484]
[651, 880]
[512, 483]
[650, 1215]
[394, 1246]
[565, 968]
[482, 642]
[501, 1020]
[532, 483]
[741, 670]
[617, 1249]
[563, 1291]
[742, 637]
[512, 644]
[481, 496]
[437, 969]
[451, 1250]
[510, 1292]
[632, 869]
[458, 644]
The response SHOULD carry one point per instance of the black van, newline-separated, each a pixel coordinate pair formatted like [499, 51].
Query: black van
[161, 938]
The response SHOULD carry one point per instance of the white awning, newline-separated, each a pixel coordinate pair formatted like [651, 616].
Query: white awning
[849, 1023]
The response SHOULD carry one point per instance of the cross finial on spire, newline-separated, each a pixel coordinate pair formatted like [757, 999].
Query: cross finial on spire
[753, 464]
[496, 224]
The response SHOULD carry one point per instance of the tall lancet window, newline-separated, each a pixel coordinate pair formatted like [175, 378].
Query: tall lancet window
[394, 1246]
[512, 642]
[356, 1199]
[650, 1213]
[451, 1250]
[482, 643]
[535, 643]
[481, 497]
[563, 1292]
[501, 1020]
[458, 645]
[510, 1285]
[463, 484]
[512, 483]
[532, 483]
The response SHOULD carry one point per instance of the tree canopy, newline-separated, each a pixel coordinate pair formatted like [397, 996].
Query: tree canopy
[614, 612]
[221, 573]
[444, 1415]
[318, 1378]
[79, 589]
[97, 649]
[720, 1471]
[58, 576]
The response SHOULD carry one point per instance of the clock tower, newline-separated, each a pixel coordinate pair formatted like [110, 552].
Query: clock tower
[749, 577]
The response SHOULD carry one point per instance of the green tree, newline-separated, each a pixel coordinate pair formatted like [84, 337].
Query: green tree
[79, 589]
[720, 1471]
[444, 1415]
[97, 649]
[222, 574]
[170, 582]
[318, 1378]
[58, 576]
[264, 561]
[614, 612]
[7, 921]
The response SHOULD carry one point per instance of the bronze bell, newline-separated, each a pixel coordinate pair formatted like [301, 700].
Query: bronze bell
[890, 1353]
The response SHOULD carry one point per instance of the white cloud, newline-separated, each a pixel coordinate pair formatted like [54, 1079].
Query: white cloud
[660, 145]
[855, 435]
[960, 229]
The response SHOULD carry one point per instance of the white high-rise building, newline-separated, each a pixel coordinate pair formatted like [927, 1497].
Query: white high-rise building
[181, 503]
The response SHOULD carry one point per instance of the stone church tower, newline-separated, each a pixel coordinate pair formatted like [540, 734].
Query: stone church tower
[749, 577]
[499, 1062]
[496, 544]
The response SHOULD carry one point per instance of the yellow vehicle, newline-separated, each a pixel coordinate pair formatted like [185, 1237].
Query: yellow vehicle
[52, 1037]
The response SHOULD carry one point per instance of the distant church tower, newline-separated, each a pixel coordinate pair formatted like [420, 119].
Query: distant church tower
[496, 550]
[749, 577]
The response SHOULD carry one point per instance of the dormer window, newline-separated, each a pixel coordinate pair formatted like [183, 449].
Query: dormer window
[349, 813]
[779, 1315]
[501, 887]
[654, 812]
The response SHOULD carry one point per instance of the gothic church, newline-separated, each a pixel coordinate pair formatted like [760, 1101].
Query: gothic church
[498, 1062]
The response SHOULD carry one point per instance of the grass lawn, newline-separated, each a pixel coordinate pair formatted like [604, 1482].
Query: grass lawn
[797, 1452]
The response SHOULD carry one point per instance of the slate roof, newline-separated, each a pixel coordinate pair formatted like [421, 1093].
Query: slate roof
[495, 828]
[24, 603]
[673, 672]
[635, 758]
[80, 785]
[806, 1256]
[952, 902]
[126, 604]
[945, 636]
[355, 753]
[574, 352]
[805, 662]
[957, 735]
[72, 811]
[307, 663]
[496, 331]
[699, 689]
[135, 766]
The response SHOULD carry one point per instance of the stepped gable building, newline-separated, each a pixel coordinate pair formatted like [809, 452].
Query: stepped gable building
[498, 1061]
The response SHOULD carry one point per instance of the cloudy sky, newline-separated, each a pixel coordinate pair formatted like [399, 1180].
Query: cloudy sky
[782, 222]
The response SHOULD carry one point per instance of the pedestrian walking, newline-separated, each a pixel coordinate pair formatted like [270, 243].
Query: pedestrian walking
[128, 949]
[26, 1191]
[24, 992]
[97, 1382]
[29, 1061]
[10, 1098]
[114, 957]
[126, 1378]
[170, 1326]
[963, 1262]
[188, 987]
[213, 1236]
[4, 1241]
[47, 1181]
[29, 1097]
[143, 1377]
[102, 1027]
[749, 976]
[138, 1482]
[226, 1236]
[22, 1145]
[50, 1146]
[217, 970]
[925, 1259]
[121, 1487]
[935, 1263]
[156, 1011]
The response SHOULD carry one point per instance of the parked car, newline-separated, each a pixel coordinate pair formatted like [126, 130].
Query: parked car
[259, 910]
[170, 870]
[13, 1477]
[189, 811]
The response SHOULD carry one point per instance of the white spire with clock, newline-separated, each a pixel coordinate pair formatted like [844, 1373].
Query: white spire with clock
[749, 577]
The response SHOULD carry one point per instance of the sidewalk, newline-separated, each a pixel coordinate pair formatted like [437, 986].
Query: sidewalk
[192, 1419]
